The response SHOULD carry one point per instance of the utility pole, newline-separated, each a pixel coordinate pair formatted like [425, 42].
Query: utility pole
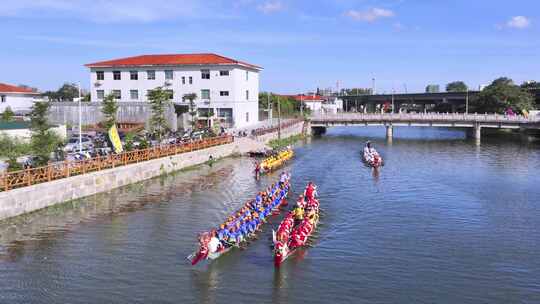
[393, 92]
[279, 119]
[467, 102]
[269, 106]
[80, 120]
[301, 105]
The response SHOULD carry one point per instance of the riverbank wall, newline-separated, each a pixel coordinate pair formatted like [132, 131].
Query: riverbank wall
[24, 200]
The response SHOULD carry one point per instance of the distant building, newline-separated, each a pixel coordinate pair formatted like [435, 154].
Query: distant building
[433, 88]
[312, 102]
[19, 99]
[226, 87]
[318, 103]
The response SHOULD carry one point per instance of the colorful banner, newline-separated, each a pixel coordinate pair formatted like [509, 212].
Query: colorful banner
[115, 139]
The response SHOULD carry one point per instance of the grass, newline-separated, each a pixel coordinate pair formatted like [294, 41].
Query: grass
[281, 143]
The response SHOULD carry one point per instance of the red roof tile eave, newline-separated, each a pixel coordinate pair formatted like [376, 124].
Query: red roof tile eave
[12, 89]
[24, 93]
[97, 65]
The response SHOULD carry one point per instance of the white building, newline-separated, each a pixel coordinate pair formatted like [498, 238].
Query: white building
[229, 87]
[313, 102]
[19, 99]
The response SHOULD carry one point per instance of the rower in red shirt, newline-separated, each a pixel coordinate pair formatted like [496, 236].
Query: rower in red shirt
[311, 191]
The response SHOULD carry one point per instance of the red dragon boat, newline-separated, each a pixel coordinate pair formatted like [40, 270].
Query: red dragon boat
[297, 226]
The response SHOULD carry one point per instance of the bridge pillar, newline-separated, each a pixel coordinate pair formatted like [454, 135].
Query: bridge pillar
[476, 133]
[389, 131]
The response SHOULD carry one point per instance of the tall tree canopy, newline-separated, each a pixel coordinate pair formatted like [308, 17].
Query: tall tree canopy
[67, 92]
[456, 86]
[159, 99]
[109, 110]
[502, 94]
[43, 141]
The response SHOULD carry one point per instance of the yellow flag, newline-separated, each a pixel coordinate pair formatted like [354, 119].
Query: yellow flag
[115, 139]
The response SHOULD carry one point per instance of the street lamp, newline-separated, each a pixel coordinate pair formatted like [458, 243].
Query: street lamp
[80, 119]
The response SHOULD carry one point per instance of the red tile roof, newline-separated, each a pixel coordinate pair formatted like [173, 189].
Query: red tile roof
[308, 98]
[170, 59]
[8, 88]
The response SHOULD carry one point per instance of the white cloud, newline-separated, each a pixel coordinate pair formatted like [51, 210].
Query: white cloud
[370, 15]
[518, 22]
[270, 7]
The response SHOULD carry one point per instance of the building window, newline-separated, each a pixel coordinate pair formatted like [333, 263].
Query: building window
[205, 74]
[151, 75]
[170, 93]
[247, 75]
[133, 75]
[100, 94]
[100, 75]
[117, 94]
[247, 94]
[183, 79]
[247, 116]
[169, 74]
[3, 98]
[223, 93]
[117, 75]
[205, 94]
[223, 73]
[190, 80]
[134, 94]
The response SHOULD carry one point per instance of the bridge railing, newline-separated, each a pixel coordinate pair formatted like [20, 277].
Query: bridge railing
[390, 117]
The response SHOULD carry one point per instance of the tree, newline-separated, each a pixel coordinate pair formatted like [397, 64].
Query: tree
[531, 85]
[68, 92]
[456, 86]
[289, 105]
[192, 109]
[43, 141]
[502, 94]
[7, 115]
[158, 99]
[12, 148]
[109, 109]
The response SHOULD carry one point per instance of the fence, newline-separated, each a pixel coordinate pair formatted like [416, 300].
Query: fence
[28, 177]
[272, 129]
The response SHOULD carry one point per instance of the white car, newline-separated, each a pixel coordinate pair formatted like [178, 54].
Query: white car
[73, 144]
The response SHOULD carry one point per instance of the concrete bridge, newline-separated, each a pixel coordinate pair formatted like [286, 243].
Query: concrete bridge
[319, 122]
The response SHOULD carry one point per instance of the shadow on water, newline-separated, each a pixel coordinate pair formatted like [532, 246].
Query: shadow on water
[44, 226]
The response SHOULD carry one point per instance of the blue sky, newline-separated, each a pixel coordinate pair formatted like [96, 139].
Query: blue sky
[301, 44]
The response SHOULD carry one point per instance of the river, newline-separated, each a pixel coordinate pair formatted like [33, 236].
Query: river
[444, 221]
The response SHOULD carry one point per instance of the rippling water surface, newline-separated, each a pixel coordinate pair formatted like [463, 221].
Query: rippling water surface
[445, 221]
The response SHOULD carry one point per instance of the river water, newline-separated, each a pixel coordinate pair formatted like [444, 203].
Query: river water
[445, 221]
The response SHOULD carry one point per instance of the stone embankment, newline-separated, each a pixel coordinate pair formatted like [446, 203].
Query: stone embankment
[28, 199]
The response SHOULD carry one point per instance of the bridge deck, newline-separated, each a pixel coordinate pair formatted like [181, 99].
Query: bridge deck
[428, 119]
